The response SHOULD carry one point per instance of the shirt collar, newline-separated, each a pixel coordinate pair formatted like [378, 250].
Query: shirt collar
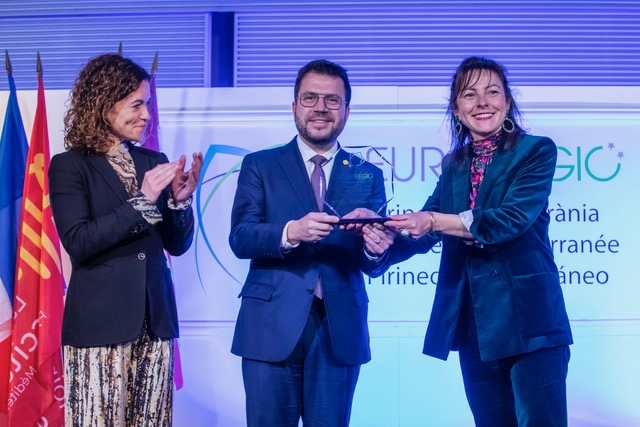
[307, 152]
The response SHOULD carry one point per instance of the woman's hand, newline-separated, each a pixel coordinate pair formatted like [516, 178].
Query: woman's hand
[185, 183]
[155, 180]
[417, 224]
[414, 225]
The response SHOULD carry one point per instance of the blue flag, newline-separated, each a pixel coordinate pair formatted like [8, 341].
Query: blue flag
[13, 159]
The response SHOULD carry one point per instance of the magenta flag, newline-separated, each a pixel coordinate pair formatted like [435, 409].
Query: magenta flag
[151, 141]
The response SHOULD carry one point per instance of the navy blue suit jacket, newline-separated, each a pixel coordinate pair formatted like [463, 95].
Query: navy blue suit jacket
[274, 188]
[513, 280]
[119, 270]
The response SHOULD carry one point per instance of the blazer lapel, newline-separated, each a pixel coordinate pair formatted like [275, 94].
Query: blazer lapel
[499, 163]
[339, 175]
[141, 163]
[461, 189]
[293, 168]
[104, 168]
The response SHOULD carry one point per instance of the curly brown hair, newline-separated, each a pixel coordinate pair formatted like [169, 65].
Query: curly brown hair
[105, 80]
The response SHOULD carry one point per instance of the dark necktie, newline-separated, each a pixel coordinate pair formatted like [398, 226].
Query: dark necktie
[318, 180]
[319, 184]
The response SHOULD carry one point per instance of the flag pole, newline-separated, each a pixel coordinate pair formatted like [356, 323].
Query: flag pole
[7, 61]
[152, 141]
[13, 158]
[39, 66]
[39, 286]
[154, 67]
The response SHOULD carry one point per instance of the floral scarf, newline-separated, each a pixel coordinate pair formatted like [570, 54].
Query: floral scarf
[482, 154]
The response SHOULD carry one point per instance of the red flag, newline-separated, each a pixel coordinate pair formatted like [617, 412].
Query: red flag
[152, 142]
[36, 385]
[13, 157]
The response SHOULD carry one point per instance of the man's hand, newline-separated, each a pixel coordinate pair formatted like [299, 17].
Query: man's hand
[311, 228]
[356, 227]
[377, 238]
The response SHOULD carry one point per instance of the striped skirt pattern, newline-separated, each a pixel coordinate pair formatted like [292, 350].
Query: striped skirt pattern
[125, 385]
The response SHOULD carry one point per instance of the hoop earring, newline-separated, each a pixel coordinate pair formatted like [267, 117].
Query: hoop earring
[510, 126]
[457, 128]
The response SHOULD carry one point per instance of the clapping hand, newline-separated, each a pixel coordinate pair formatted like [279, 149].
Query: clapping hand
[185, 183]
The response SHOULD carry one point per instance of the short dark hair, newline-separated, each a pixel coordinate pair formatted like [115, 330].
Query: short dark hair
[105, 80]
[328, 68]
[461, 80]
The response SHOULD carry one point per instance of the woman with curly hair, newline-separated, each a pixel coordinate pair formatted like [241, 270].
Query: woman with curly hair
[117, 208]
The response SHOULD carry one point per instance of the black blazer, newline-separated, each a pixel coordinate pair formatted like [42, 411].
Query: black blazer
[119, 269]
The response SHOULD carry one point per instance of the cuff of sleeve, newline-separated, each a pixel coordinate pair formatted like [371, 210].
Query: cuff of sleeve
[284, 244]
[149, 211]
[182, 206]
[467, 219]
[371, 256]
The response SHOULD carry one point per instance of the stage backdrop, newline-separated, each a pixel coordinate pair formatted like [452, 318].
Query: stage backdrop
[401, 129]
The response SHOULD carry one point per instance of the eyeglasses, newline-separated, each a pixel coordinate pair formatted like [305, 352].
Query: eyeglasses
[310, 99]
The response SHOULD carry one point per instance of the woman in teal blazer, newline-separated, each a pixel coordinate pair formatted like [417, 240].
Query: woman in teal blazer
[498, 299]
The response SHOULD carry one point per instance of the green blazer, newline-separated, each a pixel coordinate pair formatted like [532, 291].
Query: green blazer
[512, 278]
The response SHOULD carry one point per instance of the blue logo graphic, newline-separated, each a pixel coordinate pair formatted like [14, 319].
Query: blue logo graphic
[202, 200]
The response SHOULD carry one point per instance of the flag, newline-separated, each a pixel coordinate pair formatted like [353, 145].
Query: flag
[152, 142]
[36, 384]
[13, 157]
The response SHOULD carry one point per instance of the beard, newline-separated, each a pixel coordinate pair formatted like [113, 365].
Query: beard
[319, 138]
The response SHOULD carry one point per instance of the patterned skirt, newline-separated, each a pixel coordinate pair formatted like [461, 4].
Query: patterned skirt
[123, 385]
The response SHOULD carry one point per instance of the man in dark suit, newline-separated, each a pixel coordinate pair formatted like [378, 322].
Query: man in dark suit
[302, 327]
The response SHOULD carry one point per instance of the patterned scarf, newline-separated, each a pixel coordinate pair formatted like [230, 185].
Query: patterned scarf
[482, 154]
[122, 162]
